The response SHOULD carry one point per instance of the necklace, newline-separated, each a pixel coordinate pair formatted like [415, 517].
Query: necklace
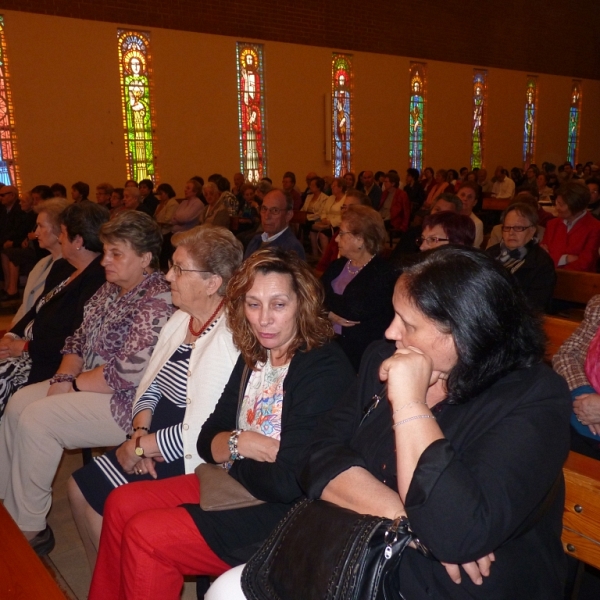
[210, 320]
[358, 269]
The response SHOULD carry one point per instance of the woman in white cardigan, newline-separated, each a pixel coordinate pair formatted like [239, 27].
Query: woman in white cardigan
[191, 364]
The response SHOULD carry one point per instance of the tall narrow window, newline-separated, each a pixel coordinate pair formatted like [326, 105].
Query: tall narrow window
[135, 70]
[574, 118]
[251, 110]
[479, 114]
[341, 115]
[530, 120]
[9, 172]
[416, 135]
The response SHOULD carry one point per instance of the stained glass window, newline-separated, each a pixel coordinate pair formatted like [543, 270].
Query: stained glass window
[574, 118]
[416, 134]
[9, 173]
[479, 114]
[341, 114]
[530, 119]
[135, 70]
[251, 110]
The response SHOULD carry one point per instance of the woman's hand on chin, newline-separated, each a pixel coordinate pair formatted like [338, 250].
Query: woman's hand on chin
[258, 446]
[408, 373]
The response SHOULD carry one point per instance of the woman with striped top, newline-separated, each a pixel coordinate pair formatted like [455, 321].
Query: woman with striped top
[192, 361]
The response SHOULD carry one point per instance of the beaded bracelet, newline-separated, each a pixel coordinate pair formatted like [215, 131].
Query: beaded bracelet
[406, 405]
[412, 419]
[62, 377]
[134, 429]
[233, 445]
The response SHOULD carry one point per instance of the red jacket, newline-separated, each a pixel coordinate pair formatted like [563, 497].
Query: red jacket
[583, 240]
[399, 209]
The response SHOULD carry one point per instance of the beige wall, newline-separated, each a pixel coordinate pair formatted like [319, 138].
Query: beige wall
[65, 85]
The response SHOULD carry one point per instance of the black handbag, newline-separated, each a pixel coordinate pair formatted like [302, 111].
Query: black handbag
[320, 551]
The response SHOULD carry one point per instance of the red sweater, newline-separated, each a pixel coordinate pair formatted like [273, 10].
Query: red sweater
[399, 209]
[583, 240]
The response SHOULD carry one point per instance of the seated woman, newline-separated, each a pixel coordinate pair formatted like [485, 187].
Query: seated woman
[522, 256]
[331, 215]
[394, 206]
[313, 205]
[359, 284]
[47, 232]
[216, 212]
[287, 377]
[103, 361]
[169, 409]
[470, 442]
[577, 361]
[117, 205]
[188, 212]
[30, 351]
[446, 227]
[167, 205]
[573, 239]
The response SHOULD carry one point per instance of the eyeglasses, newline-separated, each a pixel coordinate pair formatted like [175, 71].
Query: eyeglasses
[343, 233]
[515, 228]
[274, 210]
[432, 239]
[177, 270]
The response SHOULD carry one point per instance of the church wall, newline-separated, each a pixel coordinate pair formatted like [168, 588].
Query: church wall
[64, 78]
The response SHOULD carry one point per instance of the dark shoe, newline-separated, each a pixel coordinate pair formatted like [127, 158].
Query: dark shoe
[10, 297]
[43, 543]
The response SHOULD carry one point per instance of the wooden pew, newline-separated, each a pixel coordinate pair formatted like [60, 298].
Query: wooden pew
[581, 519]
[576, 286]
[22, 574]
[496, 203]
[557, 331]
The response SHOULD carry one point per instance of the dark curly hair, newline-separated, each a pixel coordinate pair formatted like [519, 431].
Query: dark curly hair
[473, 298]
[313, 328]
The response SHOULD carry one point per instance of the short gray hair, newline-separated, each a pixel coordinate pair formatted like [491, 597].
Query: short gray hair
[215, 249]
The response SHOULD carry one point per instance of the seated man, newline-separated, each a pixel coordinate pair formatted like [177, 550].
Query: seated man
[276, 213]
[504, 187]
[468, 196]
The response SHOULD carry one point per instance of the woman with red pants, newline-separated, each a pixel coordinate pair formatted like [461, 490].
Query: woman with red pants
[154, 533]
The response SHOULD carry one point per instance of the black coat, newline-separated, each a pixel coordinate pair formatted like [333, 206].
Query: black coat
[367, 298]
[536, 276]
[59, 317]
[471, 491]
[314, 381]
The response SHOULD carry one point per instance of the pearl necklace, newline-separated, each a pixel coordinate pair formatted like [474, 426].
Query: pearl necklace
[358, 269]
[210, 320]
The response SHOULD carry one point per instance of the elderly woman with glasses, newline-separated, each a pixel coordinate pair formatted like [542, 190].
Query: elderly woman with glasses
[359, 284]
[189, 368]
[521, 254]
[87, 402]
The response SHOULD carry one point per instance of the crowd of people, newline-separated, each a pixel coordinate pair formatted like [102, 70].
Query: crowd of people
[282, 334]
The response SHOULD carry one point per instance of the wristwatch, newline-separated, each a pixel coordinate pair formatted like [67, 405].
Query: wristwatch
[138, 448]
[233, 445]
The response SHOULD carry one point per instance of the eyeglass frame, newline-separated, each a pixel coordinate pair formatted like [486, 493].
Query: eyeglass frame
[430, 238]
[177, 270]
[272, 210]
[342, 233]
[515, 228]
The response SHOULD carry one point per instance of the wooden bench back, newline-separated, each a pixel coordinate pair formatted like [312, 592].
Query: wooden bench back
[495, 203]
[557, 330]
[581, 519]
[576, 286]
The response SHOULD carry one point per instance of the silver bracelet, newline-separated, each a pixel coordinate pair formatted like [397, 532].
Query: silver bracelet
[407, 405]
[233, 445]
[412, 419]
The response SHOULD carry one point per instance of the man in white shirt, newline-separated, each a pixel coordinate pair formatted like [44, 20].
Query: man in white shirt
[504, 187]
[468, 196]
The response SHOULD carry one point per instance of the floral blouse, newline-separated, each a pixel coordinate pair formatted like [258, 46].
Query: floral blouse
[263, 400]
[120, 334]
